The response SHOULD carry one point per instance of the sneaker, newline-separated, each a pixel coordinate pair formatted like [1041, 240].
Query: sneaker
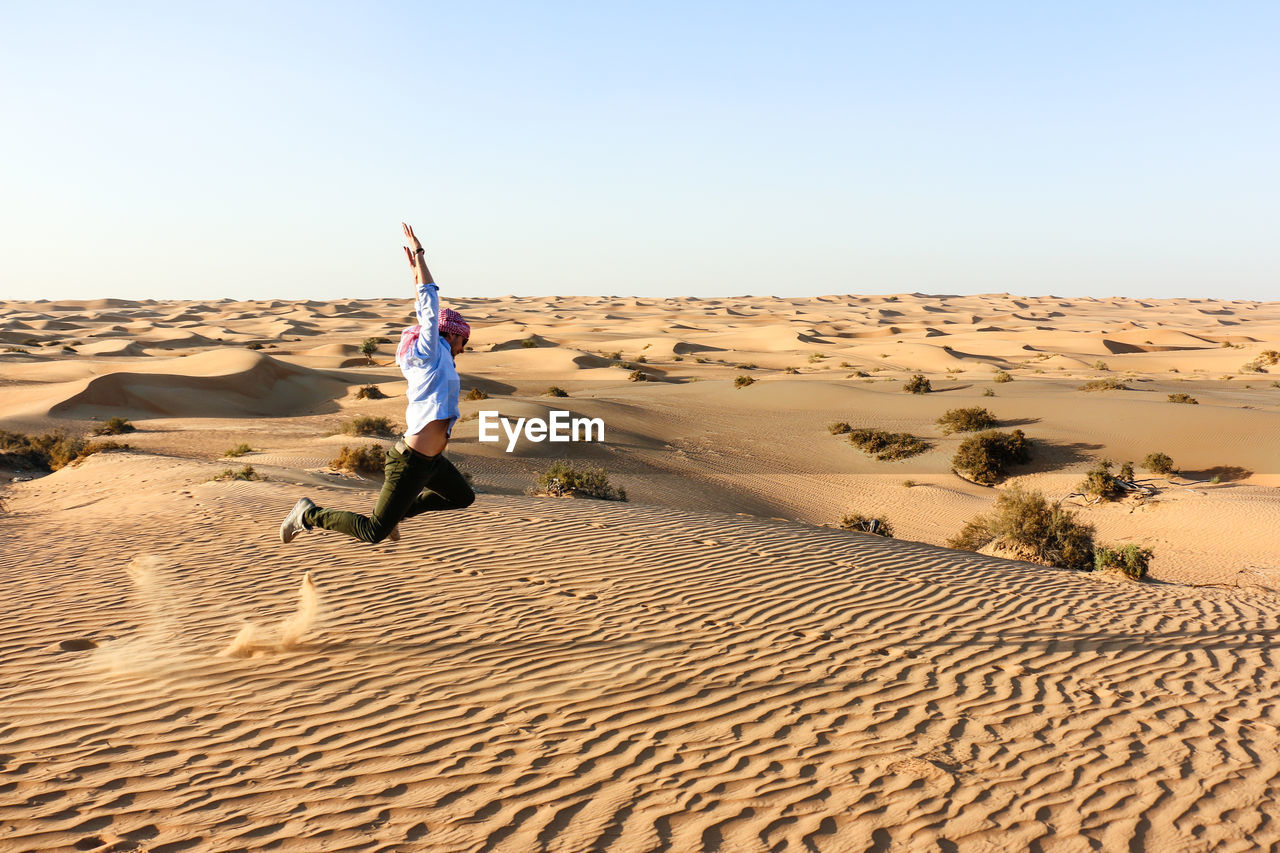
[394, 535]
[293, 523]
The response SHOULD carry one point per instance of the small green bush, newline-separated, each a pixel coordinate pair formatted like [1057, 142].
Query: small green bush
[555, 391]
[115, 426]
[971, 419]
[246, 472]
[1158, 463]
[370, 392]
[239, 450]
[879, 526]
[368, 425]
[1101, 483]
[364, 459]
[887, 446]
[1026, 524]
[1001, 376]
[1108, 384]
[476, 394]
[917, 384]
[743, 381]
[1183, 398]
[563, 480]
[368, 347]
[839, 428]
[985, 456]
[1126, 472]
[1130, 560]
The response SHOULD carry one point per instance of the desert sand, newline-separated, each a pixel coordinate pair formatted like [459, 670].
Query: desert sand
[711, 665]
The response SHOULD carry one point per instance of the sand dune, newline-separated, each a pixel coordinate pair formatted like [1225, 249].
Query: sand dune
[710, 666]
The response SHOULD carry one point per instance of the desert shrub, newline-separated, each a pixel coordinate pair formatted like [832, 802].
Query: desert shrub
[16, 349]
[364, 459]
[1001, 376]
[1108, 384]
[1270, 357]
[641, 359]
[1100, 365]
[743, 381]
[1126, 472]
[115, 426]
[747, 366]
[564, 480]
[1101, 483]
[370, 392]
[617, 356]
[917, 384]
[1026, 524]
[858, 374]
[255, 345]
[839, 428]
[880, 526]
[987, 392]
[476, 394]
[245, 472]
[1130, 560]
[239, 450]
[367, 425]
[1183, 398]
[529, 343]
[967, 420]
[1158, 463]
[368, 347]
[31, 342]
[1254, 366]
[638, 376]
[887, 446]
[555, 391]
[790, 370]
[985, 456]
[816, 357]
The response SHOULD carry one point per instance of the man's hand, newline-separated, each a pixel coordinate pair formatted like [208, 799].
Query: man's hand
[417, 258]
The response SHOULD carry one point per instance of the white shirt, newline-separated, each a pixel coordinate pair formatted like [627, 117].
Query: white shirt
[428, 365]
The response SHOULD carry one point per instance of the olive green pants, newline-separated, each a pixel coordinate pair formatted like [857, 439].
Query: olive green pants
[415, 483]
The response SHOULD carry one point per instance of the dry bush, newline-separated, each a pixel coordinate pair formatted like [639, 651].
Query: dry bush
[971, 419]
[563, 480]
[115, 426]
[529, 343]
[743, 381]
[1100, 483]
[1025, 524]
[364, 459]
[917, 384]
[638, 376]
[50, 451]
[1108, 384]
[476, 394]
[1100, 365]
[987, 392]
[1183, 398]
[255, 345]
[887, 446]
[368, 425]
[1130, 560]
[239, 450]
[555, 391]
[1158, 463]
[246, 472]
[839, 428]
[16, 349]
[816, 357]
[984, 456]
[1001, 376]
[370, 392]
[860, 523]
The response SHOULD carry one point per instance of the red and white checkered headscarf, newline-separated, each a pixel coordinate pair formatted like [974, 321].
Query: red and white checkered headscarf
[451, 322]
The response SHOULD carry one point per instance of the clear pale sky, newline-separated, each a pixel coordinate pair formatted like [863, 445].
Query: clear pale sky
[271, 149]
